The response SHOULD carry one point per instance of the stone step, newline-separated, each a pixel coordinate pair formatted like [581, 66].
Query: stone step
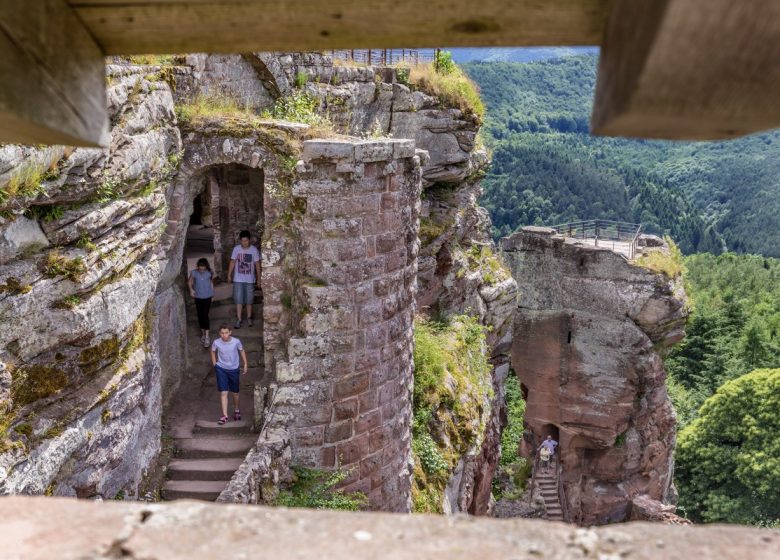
[193, 489]
[213, 428]
[203, 469]
[214, 448]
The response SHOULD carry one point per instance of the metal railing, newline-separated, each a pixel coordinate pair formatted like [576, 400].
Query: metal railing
[386, 57]
[604, 231]
[561, 492]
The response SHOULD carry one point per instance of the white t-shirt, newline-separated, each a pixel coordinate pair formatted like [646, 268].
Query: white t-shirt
[228, 353]
[244, 270]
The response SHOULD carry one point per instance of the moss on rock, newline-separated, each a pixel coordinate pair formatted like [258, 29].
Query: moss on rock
[33, 382]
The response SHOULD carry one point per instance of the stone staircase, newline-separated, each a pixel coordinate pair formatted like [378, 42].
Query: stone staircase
[206, 454]
[547, 481]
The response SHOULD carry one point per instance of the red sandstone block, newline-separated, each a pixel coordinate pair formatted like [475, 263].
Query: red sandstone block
[308, 437]
[370, 313]
[366, 360]
[395, 260]
[375, 496]
[388, 392]
[351, 386]
[353, 450]
[312, 415]
[370, 465]
[397, 183]
[371, 246]
[328, 457]
[363, 486]
[363, 292]
[379, 437]
[368, 421]
[346, 410]
[388, 242]
[390, 200]
[379, 376]
[338, 431]
[376, 336]
[368, 401]
[353, 475]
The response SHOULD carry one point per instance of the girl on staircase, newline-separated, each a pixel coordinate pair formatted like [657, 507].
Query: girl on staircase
[201, 283]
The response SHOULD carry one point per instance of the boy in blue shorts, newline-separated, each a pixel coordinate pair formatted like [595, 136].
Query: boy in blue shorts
[225, 353]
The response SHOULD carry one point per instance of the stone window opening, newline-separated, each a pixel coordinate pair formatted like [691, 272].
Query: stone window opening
[568, 338]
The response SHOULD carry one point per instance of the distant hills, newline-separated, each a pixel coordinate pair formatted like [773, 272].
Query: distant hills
[547, 169]
[519, 54]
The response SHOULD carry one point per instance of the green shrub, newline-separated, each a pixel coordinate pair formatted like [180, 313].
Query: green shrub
[301, 78]
[299, 107]
[45, 213]
[513, 432]
[728, 459]
[316, 489]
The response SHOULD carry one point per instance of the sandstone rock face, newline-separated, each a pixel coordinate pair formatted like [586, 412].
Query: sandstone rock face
[588, 332]
[78, 335]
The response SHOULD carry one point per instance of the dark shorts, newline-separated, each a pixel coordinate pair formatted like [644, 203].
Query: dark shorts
[227, 379]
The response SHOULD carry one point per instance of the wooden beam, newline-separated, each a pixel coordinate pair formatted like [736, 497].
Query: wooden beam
[179, 26]
[53, 89]
[689, 69]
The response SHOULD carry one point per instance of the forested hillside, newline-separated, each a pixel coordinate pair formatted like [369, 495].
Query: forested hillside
[547, 169]
[727, 404]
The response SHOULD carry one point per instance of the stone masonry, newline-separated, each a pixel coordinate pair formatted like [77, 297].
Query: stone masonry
[345, 391]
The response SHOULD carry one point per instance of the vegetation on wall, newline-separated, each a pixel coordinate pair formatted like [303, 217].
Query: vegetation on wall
[316, 489]
[513, 470]
[452, 388]
[445, 80]
[547, 169]
[728, 459]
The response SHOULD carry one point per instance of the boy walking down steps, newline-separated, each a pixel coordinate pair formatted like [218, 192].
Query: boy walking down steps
[225, 353]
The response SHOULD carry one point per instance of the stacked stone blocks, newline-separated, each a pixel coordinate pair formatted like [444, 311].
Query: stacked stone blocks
[346, 390]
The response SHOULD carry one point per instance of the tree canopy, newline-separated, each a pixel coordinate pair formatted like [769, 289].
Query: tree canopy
[728, 459]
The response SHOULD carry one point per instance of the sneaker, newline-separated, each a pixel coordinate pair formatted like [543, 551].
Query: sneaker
[237, 415]
[249, 322]
[222, 420]
[238, 324]
[206, 342]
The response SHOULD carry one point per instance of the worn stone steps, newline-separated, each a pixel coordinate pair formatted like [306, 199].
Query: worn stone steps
[214, 448]
[207, 427]
[203, 469]
[193, 489]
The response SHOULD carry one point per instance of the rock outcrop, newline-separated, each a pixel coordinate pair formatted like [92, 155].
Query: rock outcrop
[589, 332]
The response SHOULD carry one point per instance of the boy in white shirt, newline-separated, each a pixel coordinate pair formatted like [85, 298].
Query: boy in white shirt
[225, 353]
[244, 272]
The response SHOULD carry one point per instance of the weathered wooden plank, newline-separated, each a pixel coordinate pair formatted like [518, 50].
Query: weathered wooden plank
[53, 89]
[689, 69]
[172, 26]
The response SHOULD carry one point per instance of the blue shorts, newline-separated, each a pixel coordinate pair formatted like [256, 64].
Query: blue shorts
[243, 293]
[227, 379]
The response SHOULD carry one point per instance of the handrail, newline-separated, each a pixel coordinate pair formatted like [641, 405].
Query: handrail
[385, 57]
[562, 492]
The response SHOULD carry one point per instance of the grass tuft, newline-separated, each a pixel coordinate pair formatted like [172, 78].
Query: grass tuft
[450, 84]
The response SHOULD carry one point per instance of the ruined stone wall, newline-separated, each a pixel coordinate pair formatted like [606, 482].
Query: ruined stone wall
[589, 331]
[345, 392]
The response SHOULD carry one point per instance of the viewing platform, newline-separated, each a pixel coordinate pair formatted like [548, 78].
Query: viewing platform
[620, 237]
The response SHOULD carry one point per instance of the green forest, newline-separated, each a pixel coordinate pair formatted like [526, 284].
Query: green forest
[547, 169]
[727, 402]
